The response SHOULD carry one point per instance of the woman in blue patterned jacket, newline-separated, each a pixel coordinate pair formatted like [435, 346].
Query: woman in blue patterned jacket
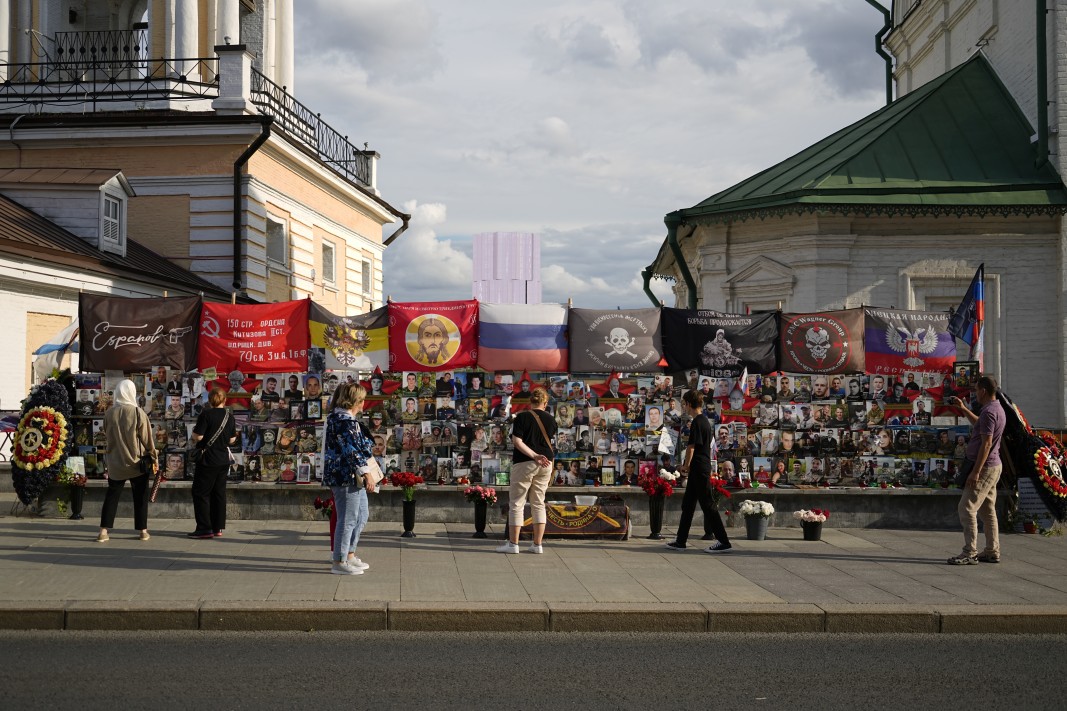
[348, 447]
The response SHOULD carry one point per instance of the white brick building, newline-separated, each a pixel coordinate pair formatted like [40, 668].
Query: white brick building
[900, 208]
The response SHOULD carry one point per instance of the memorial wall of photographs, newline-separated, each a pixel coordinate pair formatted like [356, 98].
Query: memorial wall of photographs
[452, 427]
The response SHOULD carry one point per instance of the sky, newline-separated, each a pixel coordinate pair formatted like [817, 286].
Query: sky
[584, 122]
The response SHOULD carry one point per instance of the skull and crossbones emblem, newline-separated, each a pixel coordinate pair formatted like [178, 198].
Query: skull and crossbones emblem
[621, 343]
[817, 339]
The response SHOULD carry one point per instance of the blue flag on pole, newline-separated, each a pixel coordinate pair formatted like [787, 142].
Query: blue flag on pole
[966, 323]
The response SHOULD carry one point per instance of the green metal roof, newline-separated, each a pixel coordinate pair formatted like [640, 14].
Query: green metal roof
[956, 144]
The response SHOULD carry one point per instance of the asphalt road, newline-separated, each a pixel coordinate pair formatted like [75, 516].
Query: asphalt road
[319, 670]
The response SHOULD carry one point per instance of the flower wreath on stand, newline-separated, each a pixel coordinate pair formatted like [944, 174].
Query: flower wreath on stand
[42, 440]
[1048, 463]
[478, 493]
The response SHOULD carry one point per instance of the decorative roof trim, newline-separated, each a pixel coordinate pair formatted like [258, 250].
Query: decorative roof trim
[875, 211]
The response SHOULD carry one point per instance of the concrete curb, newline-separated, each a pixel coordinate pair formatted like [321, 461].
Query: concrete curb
[531, 617]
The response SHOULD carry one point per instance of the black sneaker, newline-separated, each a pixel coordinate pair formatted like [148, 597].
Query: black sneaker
[676, 546]
[201, 534]
[708, 537]
[718, 547]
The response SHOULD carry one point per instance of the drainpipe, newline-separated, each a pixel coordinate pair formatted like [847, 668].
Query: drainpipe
[881, 52]
[646, 274]
[673, 220]
[238, 166]
[1041, 75]
[406, 222]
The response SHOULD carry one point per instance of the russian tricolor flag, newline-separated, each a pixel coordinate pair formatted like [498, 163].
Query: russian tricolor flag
[522, 336]
[968, 321]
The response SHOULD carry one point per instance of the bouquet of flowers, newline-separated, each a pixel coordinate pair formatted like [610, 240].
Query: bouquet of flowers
[761, 509]
[718, 489]
[655, 484]
[478, 493]
[324, 506]
[812, 516]
[69, 476]
[408, 481]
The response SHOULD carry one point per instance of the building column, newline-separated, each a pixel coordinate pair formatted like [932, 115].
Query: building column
[228, 22]
[283, 37]
[24, 23]
[5, 37]
[186, 35]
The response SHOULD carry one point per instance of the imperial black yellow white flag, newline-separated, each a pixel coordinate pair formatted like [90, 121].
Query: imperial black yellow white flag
[357, 342]
[626, 341]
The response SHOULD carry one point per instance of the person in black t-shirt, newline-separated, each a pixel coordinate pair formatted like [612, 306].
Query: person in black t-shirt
[531, 470]
[209, 478]
[697, 489]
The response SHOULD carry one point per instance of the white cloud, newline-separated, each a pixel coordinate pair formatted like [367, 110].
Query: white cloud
[420, 266]
[586, 123]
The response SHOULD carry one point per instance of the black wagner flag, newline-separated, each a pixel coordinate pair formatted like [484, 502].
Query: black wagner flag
[720, 345]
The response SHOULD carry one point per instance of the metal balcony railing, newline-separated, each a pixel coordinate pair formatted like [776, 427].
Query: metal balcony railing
[110, 45]
[299, 122]
[101, 81]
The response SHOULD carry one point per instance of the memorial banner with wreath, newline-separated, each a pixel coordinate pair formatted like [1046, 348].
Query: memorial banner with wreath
[433, 336]
[828, 342]
[719, 345]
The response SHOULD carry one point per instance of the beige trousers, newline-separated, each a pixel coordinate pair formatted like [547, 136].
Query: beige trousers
[980, 501]
[528, 479]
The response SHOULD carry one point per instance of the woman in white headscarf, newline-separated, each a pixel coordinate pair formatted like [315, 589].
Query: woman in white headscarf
[129, 437]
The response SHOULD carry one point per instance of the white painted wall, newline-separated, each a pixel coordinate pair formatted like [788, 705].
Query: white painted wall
[811, 264]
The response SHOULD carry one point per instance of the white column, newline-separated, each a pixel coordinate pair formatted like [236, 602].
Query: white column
[228, 21]
[283, 36]
[186, 32]
[5, 37]
[266, 57]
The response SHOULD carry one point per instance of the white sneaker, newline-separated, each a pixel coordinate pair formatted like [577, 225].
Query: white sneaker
[508, 547]
[535, 548]
[344, 569]
[358, 563]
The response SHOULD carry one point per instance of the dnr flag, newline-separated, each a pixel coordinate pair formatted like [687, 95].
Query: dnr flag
[897, 341]
[433, 335]
[522, 337]
[358, 342]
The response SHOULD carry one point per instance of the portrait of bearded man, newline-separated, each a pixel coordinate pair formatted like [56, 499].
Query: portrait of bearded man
[433, 342]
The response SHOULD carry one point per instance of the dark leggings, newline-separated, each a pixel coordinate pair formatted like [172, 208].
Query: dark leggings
[209, 498]
[697, 491]
[139, 488]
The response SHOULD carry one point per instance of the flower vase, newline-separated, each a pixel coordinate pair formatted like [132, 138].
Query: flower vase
[333, 525]
[480, 510]
[756, 526]
[409, 519]
[655, 515]
[77, 498]
[812, 530]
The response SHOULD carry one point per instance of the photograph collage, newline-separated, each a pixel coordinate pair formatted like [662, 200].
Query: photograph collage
[452, 427]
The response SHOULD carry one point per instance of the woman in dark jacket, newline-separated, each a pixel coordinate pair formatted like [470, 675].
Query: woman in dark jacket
[209, 478]
[348, 448]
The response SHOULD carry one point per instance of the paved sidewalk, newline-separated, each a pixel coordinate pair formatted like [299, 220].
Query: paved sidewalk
[274, 574]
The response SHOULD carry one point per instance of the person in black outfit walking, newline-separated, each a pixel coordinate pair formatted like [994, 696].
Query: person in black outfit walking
[209, 478]
[698, 466]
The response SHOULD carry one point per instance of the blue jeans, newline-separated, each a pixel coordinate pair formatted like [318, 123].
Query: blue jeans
[352, 514]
